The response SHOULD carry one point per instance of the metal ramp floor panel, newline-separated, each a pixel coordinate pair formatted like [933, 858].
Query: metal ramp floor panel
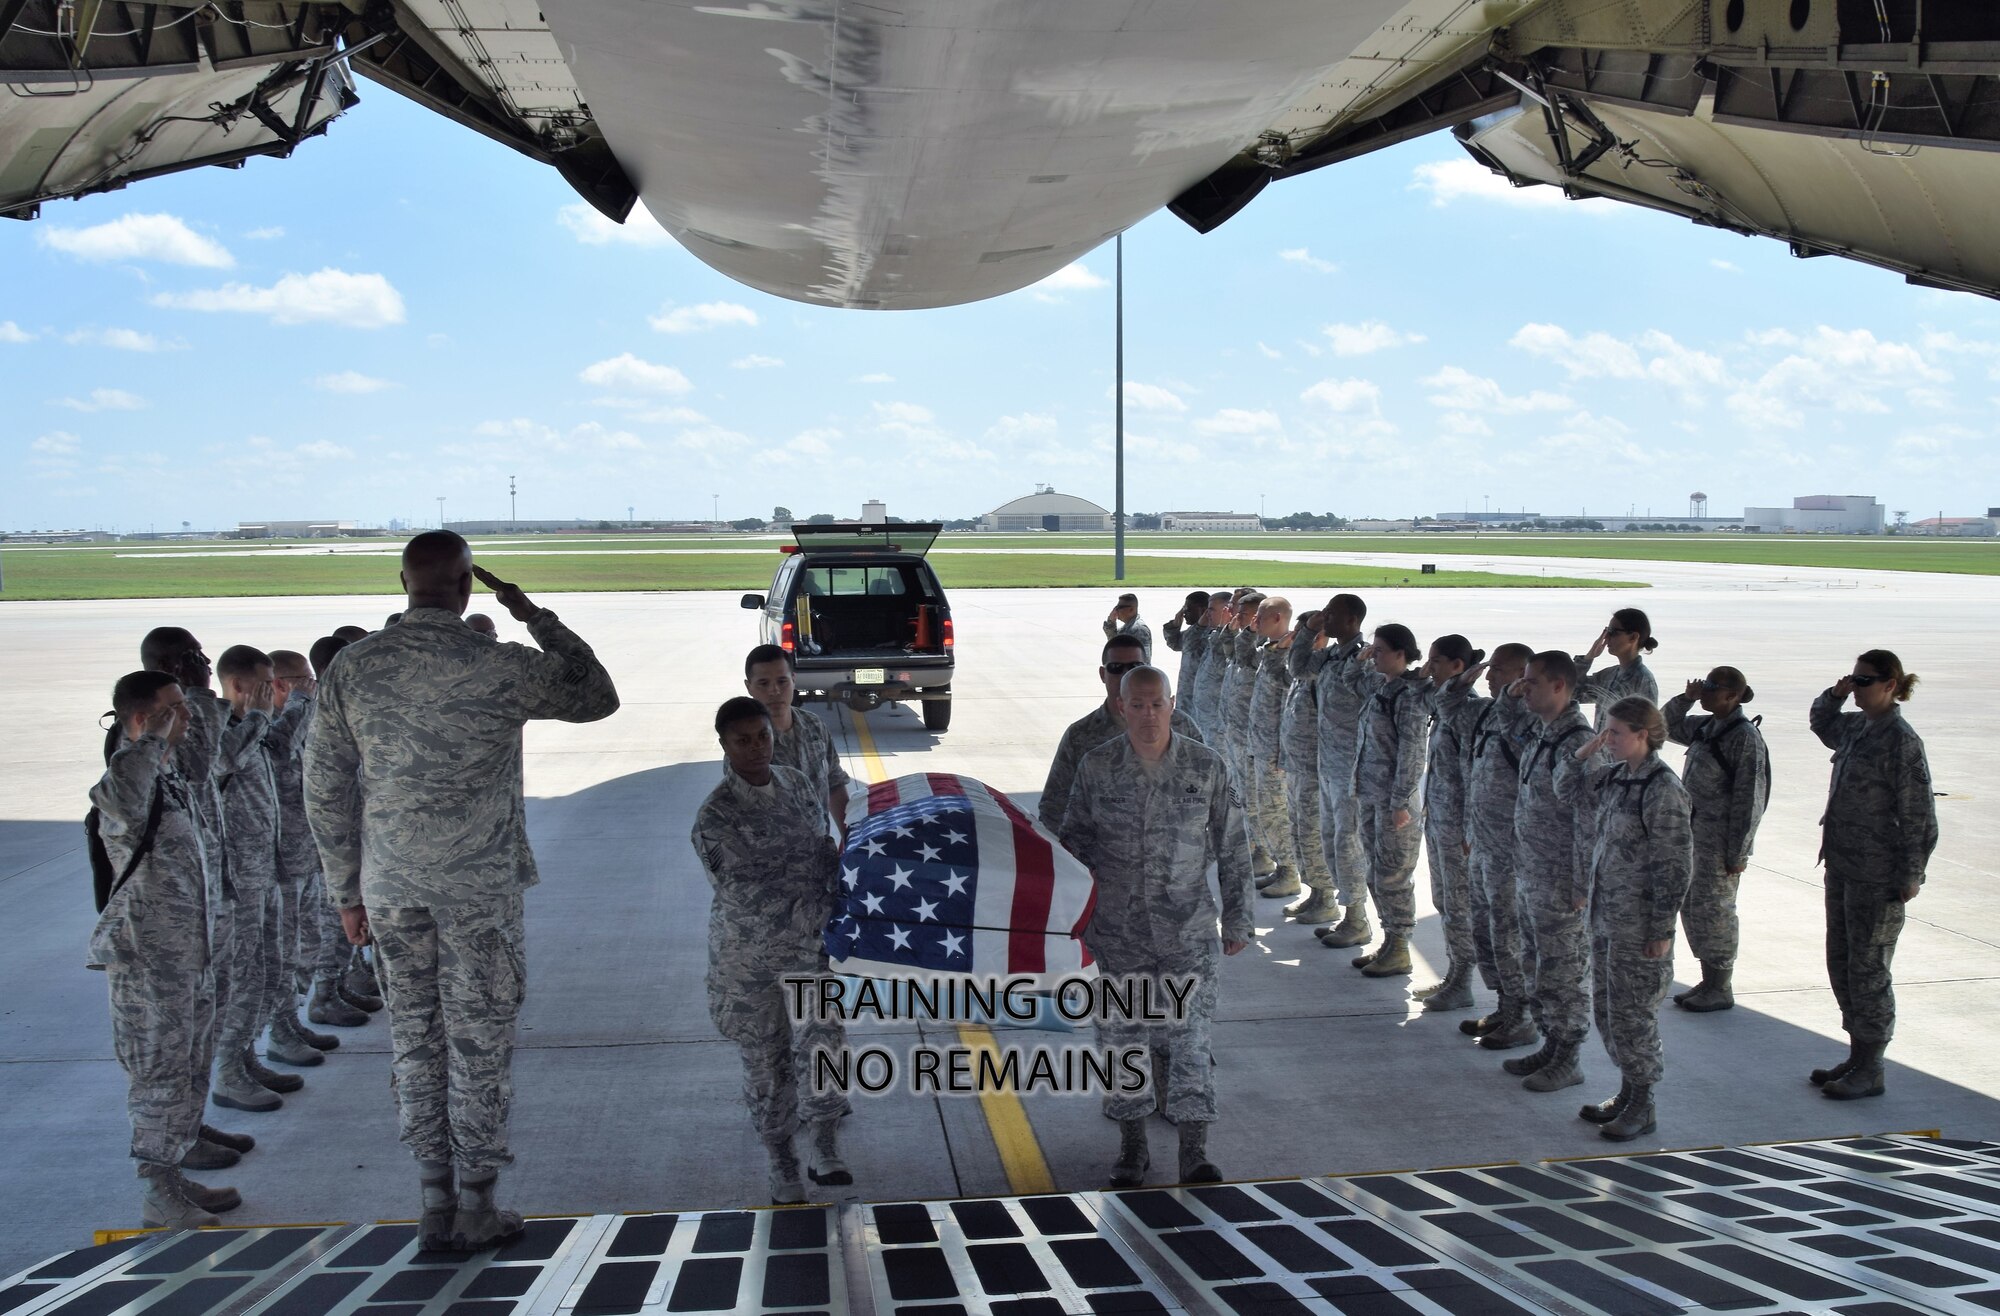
[1885, 1226]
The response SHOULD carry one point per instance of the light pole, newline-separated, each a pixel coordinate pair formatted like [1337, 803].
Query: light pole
[440, 511]
[513, 512]
[1118, 437]
[715, 514]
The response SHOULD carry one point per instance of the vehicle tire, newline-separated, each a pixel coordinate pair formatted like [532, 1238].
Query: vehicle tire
[937, 714]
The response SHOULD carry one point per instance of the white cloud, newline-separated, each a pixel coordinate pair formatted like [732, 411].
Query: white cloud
[813, 442]
[14, 333]
[875, 378]
[1467, 180]
[1594, 356]
[592, 229]
[1344, 396]
[1368, 336]
[1464, 423]
[122, 340]
[1237, 421]
[105, 399]
[350, 381]
[58, 443]
[907, 413]
[670, 416]
[269, 233]
[1075, 277]
[139, 237]
[1456, 389]
[626, 371]
[1151, 397]
[526, 442]
[1301, 256]
[1845, 370]
[700, 319]
[1027, 425]
[329, 296]
[1726, 266]
[1653, 355]
[755, 361]
[1269, 353]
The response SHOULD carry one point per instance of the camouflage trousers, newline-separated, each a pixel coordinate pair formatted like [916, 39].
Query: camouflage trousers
[258, 970]
[1451, 890]
[1186, 1042]
[1627, 991]
[1270, 816]
[323, 947]
[1302, 808]
[1497, 925]
[1709, 915]
[1556, 938]
[779, 1073]
[1863, 921]
[1392, 867]
[163, 1033]
[454, 978]
[1340, 841]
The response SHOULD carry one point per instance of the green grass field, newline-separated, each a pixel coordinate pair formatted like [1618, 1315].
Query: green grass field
[44, 573]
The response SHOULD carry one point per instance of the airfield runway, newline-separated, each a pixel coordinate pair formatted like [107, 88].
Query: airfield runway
[626, 1100]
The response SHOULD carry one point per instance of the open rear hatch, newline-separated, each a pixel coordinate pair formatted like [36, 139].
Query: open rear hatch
[914, 538]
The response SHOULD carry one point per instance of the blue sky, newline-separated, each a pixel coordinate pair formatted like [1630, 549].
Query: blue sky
[405, 311]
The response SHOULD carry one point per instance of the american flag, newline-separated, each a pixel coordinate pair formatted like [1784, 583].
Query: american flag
[945, 876]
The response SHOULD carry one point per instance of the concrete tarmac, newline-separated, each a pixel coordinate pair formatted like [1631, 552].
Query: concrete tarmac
[627, 1100]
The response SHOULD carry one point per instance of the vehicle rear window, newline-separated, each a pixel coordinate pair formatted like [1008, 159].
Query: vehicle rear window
[849, 581]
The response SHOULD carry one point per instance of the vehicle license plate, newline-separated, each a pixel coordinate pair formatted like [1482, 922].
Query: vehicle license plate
[870, 676]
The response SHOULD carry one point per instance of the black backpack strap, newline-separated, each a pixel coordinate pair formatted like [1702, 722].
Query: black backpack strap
[146, 839]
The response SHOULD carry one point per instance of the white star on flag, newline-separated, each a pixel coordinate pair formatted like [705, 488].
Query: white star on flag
[899, 939]
[900, 878]
[873, 904]
[926, 911]
[955, 884]
[953, 945]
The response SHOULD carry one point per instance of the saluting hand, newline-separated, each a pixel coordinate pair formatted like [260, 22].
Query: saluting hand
[1843, 687]
[1695, 689]
[1597, 646]
[1471, 674]
[1591, 746]
[160, 722]
[509, 596]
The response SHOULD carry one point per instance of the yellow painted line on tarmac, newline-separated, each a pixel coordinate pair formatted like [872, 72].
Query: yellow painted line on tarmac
[1021, 1158]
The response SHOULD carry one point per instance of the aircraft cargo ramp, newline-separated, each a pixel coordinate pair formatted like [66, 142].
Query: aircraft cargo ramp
[1859, 1227]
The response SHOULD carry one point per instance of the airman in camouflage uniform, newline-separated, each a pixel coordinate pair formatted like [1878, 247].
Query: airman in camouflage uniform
[1499, 733]
[1388, 773]
[1728, 779]
[1628, 639]
[249, 791]
[1206, 693]
[1877, 836]
[1124, 620]
[1551, 890]
[1445, 847]
[154, 942]
[1187, 633]
[1148, 813]
[413, 789]
[769, 856]
[1339, 811]
[801, 739]
[1270, 820]
[1298, 754]
[1099, 726]
[1641, 858]
[298, 871]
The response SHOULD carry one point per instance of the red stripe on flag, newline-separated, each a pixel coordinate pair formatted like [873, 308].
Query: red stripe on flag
[945, 783]
[883, 795]
[1034, 892]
